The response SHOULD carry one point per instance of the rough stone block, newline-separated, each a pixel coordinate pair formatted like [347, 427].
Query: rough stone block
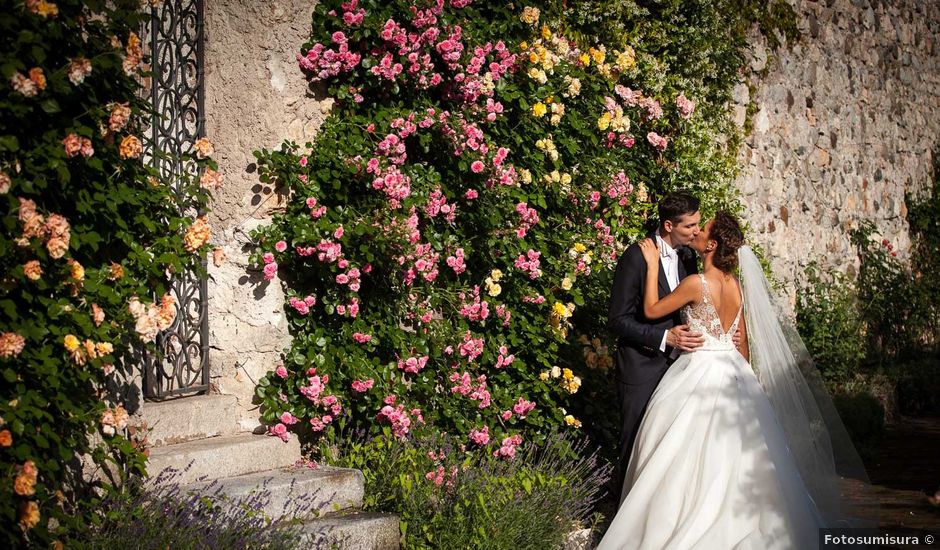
[293, 492]
[189, 418]
[362, 531]
[221, 457]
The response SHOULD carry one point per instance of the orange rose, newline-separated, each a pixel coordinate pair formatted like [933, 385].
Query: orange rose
[32, 270]
[57, 247]
[6, 438]
[130, 147]
[73, 145]
[97, 314]
[197, 234]
[11, 344]
[38, 78]
[25, 482]
[29, 515]
[120, 113]
[211, 179]
[203, 148]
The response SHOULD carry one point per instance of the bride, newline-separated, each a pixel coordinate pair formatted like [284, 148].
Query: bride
[712, 466]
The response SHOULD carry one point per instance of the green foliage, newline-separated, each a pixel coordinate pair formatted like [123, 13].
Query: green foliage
[84, 228]
[827, 315]
[889, 319]
[448, 499]
[895, 305]
[576, 121]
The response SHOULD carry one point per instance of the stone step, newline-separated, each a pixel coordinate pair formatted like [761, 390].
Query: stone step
[311, 492]
[222, 457]
[189, 418]
[359, 531]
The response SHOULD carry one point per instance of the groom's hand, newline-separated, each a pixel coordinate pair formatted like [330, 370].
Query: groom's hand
[682, 338]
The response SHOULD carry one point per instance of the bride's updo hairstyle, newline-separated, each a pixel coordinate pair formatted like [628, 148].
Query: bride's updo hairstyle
[727, 234]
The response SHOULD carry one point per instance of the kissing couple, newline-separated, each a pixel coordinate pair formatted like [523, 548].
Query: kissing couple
[728, 437]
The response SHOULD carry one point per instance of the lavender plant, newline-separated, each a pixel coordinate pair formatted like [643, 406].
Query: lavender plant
[166, 515]
[447, 498]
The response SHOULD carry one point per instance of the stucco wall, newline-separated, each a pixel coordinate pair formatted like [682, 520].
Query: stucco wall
[255, 98]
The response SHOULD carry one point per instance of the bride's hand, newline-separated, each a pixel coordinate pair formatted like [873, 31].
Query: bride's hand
[650, 252]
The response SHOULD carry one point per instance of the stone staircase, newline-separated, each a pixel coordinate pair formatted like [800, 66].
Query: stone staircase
[197, 436]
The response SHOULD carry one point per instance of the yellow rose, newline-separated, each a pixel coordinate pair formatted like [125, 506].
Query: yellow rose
[494, 289]
[496, 275]
[544, 376]
[572, 421]
[603, 122]
[539, 109]
[597, 55]
[566, 283]
[104, 348]
[626, 60]
[533, 57]
[546, 32]
[567, 374]
[556, 372]
[525, 175]
[579, 247]
[585, 59]
[71, 342]
[559, 309]
[523, 45]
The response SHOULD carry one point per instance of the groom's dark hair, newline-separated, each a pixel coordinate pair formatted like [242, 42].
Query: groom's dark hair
[677, 204]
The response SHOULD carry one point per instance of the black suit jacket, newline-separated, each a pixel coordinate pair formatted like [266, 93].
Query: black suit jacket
[638, 338]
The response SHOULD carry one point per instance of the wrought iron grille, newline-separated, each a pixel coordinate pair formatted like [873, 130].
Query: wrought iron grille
[175, 39]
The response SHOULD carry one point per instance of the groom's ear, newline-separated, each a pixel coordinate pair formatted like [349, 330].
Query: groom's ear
[668, 226]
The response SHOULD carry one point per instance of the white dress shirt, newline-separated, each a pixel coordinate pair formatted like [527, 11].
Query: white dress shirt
[669, 259]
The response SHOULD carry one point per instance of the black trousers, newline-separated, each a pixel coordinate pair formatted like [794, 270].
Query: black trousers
[634, 398]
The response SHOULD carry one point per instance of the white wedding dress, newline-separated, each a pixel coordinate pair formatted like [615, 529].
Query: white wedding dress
[710, 468]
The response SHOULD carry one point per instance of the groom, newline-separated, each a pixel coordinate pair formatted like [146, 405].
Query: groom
[646, 347]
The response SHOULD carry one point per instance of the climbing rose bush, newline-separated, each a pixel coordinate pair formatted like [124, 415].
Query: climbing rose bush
[89, 237]
[448, 245]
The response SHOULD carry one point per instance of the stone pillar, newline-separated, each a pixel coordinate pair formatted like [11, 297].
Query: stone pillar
[847, 121]
[256, 97]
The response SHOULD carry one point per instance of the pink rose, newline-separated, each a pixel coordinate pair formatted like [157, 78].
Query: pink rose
[480, 437]
[657, 141]
[476, 167]
[280, 430]
[281, 246]
[363, 386]
[281, 371]
[270, 271]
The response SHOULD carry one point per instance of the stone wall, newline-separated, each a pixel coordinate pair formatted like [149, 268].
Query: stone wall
[255, 98]
[847, 121]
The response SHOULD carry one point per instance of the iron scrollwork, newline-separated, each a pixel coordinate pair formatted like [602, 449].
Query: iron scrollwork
[175, 39]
